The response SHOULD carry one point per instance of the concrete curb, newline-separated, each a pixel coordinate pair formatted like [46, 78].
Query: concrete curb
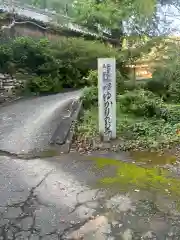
[71, 132]
[62, 140]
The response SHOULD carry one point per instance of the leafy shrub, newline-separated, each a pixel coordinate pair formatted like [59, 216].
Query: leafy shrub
[140, 103]
[79, 56]
[69, 58]
[172, 113]
[127, 85]
[174, 92]
[44, 85]
[148, 115]
[157, 86]
[134, 132]
[6, 57]
[163, 74]
[166, 78]
[90, 97]
[147, 133]
[30, 54]
[92, 78]
[167, 86]
[121, 84]
[81, 53]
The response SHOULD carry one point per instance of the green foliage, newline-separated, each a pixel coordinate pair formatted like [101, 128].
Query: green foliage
[44, 85]
[157, 86]
[110, 14]
[88, 125]
[122, 83]
[166, 84]
[79, 56]
[92, 78]
[58, 6]
[140, 103]
[134, 132]
[172, 113]
[166, 78]
[148, 115]
[6, 56]
[64, 64]
[90, 97]
[147, 133]
[34, 56]
[143, 120]
[174, 91]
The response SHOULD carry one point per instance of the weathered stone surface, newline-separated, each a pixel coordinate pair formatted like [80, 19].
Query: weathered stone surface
[120, 203]
[27, 223]
[51, 237]
[7, 86]
[23, 235]
[127, 235]
[2, 76]
[12, 212]
[149, 236]
[94, 230]
[7, 83]
[34, 237]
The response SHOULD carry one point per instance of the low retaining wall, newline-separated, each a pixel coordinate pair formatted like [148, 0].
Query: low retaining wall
[7, 85]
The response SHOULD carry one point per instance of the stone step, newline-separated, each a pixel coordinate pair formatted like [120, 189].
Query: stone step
[2, 76]
[8, 85]
[8, 80]
[2, 89]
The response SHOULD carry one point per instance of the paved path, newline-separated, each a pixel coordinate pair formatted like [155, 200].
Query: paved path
[28, 125]
[52, 198]
[43, 199]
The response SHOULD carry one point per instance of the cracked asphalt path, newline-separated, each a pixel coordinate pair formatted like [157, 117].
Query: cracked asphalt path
[44, 199]
[54, 197]
[28, 125]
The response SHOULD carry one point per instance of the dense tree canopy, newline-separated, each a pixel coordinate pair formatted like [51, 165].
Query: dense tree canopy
[108, 16]
[114, 18]
[117, 18]
[60, 6]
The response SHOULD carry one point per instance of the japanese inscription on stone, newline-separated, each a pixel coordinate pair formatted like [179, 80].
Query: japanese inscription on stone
[107, 98]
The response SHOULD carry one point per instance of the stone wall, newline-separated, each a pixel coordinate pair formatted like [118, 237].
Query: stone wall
[7, 85]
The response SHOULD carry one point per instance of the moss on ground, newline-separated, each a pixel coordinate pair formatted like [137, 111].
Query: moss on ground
[129, 177]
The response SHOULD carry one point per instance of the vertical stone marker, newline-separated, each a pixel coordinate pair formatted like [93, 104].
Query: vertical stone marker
[107, 98]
